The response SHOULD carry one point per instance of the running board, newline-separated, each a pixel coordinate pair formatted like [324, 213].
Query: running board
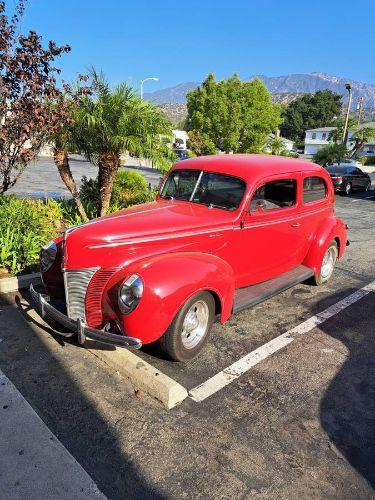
[254, 294]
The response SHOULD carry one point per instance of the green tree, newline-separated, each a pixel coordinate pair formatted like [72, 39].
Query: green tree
[360, 137]
[332, 153]
[276, 146]
[230, 115]
[310, 111]
[110, 122]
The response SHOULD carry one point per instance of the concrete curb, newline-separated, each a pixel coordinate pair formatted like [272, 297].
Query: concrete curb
[14, 283]
[143, 376]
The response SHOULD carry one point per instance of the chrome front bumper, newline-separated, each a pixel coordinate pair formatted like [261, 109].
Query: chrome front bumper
[44, 308]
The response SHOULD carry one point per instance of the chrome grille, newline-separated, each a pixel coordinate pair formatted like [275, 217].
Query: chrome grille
[76, 283]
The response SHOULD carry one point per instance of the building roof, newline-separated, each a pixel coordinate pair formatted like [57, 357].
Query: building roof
[282, 138]
[246, 165]
[321, 129]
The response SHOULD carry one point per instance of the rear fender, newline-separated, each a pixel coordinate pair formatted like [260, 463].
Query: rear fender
[169, 281]
[331, 229]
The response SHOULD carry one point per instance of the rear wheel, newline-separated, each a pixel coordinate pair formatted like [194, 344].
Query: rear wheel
[368, 186]
[190, 328]
[328, 264]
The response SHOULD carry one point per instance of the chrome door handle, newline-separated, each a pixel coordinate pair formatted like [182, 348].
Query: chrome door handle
[297, 224]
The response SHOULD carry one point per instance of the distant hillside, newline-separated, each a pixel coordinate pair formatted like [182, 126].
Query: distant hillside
[287, 84]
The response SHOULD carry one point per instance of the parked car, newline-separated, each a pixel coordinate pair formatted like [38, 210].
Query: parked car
[224, 233]
[346, 178]
[181, 154]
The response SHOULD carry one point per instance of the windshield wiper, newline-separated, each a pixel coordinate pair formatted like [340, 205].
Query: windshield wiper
[212, 205]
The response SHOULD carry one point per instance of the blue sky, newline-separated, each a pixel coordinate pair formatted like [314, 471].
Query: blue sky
[183, 41]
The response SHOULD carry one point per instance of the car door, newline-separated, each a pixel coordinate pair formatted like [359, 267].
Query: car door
[268, 243]
[362, 179]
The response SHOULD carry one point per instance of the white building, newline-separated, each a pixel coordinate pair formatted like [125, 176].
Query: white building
[182, 137]
[316, 138]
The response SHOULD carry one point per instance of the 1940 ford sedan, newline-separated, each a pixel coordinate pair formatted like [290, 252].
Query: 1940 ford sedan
[224, 233]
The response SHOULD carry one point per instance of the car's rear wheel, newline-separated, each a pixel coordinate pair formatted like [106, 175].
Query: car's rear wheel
[348, 188]
[328, 264]
[368, 186]
[190, 328]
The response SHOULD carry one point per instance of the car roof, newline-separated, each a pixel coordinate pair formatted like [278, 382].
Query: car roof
[248, 165]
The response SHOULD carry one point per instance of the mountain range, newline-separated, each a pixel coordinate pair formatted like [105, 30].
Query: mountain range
[287, 84]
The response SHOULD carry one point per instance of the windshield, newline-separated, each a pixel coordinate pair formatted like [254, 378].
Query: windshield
[207, 188]
[339, 170]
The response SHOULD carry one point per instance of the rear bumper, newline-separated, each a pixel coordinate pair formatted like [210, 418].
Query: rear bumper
[44, 308]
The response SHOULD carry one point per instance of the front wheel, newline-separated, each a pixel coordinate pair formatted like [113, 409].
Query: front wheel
[190, 328]
[328, 264]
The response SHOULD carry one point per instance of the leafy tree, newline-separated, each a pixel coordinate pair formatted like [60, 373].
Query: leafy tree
[111, 122]
[310, 111]
[230, 115]
[332, 153]
[27, 90]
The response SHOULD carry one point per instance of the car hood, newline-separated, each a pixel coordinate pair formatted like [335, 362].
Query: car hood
[163, 225]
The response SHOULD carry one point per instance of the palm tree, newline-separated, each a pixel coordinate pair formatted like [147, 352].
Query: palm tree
[111, 122]
[62, 140]
[275, 145]
[329, 154]
[360, 137]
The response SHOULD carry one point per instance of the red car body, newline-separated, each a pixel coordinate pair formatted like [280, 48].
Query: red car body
[179, 248]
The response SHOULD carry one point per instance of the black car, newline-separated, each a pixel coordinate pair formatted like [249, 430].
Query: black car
[345, 178]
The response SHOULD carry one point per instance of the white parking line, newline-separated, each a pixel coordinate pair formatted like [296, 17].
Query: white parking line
[234, 371]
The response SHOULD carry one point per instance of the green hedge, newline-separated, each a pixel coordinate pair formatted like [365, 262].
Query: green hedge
[27, 224]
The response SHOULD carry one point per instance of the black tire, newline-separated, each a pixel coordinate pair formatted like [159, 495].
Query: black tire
[323, 277]
[368, 186]
[172, 342]
[348, 189]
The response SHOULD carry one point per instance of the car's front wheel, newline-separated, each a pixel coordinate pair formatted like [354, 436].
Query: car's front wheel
[190, 328]
[328, 264]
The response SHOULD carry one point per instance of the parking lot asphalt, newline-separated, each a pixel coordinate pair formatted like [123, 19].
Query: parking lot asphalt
[300, 424]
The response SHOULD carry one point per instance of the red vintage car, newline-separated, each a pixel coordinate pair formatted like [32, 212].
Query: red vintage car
[224, 233]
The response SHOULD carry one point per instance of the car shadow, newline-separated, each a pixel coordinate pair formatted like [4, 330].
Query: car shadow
[60, 398]
[347, 409]
[358, 195]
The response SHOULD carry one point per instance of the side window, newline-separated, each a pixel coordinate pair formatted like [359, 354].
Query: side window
[274, 195]
[313, 135]
[314, 189]
[358, 171]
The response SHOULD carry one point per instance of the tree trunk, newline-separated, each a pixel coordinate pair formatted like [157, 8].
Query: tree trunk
[108, 166]
[357, 146]
[61, 160]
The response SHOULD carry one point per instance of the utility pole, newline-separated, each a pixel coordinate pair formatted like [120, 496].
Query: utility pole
[345, 131]
[360, 110]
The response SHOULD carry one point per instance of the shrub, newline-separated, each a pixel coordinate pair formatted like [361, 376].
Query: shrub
[130, 188]
[25, 225]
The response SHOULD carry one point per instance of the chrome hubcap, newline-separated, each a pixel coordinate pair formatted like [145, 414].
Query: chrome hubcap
[195, 324]
[348, 188]
[328, 263]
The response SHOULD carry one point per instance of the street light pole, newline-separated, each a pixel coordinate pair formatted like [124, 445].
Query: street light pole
[145, 80]
[345, 131]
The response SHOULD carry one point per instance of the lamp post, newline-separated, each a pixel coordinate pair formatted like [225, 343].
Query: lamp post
[345, 131]
[145, 80]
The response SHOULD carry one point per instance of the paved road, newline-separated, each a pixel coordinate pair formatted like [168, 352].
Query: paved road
[42, 179]
[298, 425]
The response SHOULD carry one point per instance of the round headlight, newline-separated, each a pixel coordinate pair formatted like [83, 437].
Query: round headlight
[130, 294]
[48, 256]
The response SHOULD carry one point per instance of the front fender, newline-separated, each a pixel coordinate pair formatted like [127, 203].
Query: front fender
[331, 229]
[169, 281]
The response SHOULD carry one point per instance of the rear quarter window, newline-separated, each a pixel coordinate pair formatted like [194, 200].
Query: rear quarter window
[314, 189]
